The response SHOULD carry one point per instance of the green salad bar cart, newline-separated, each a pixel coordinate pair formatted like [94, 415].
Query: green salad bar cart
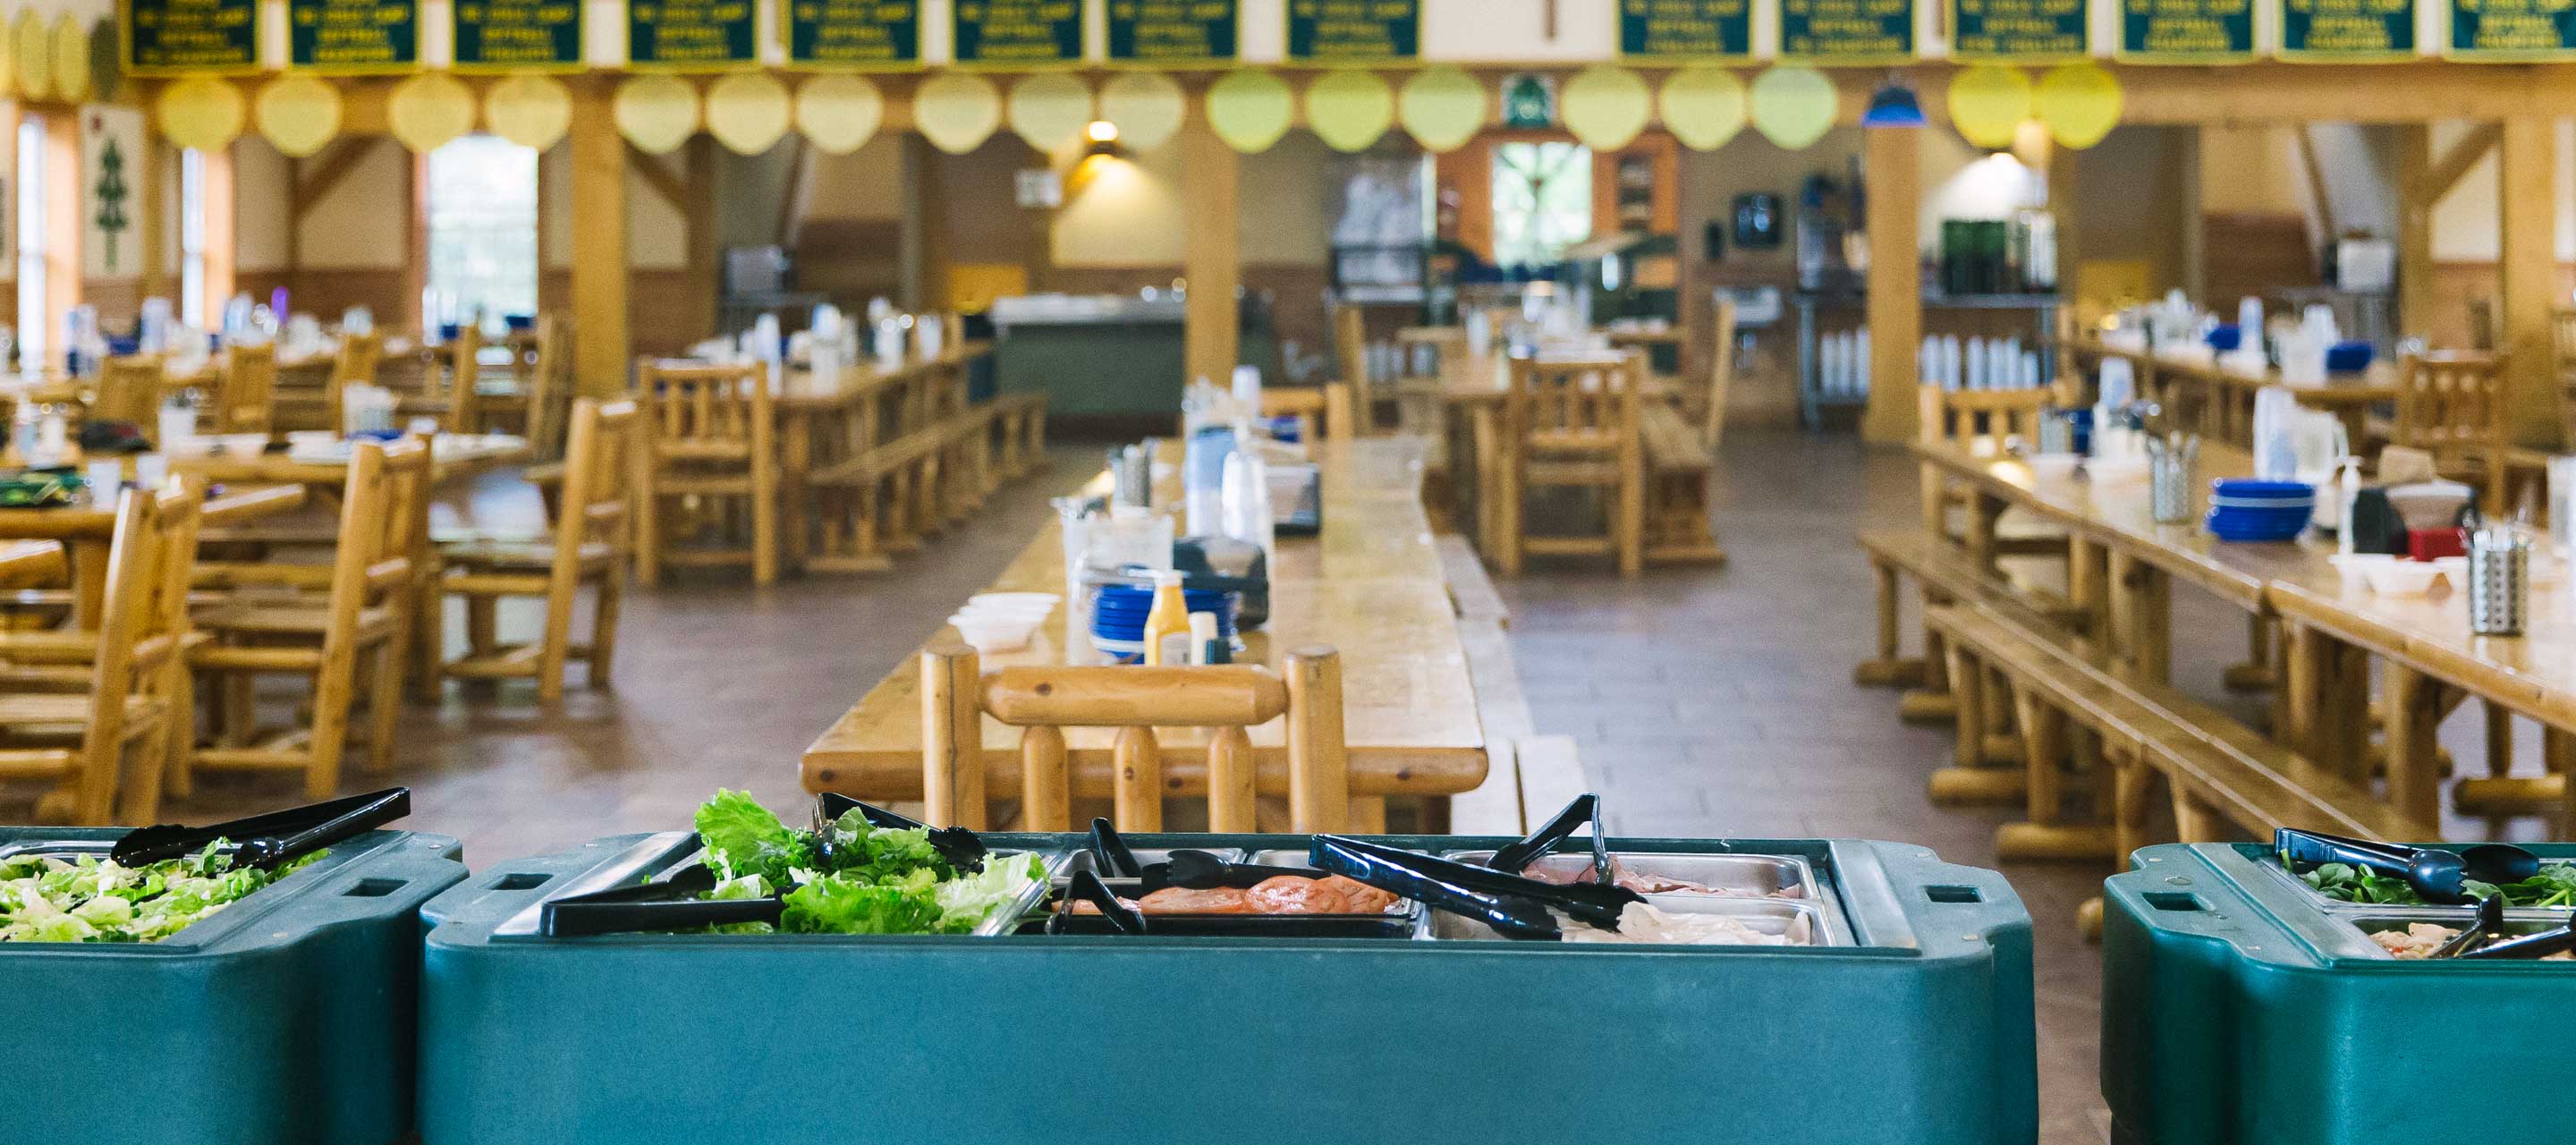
[2241, 1006]
[1880, 996]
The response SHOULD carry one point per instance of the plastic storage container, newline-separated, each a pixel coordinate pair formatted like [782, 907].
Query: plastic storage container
[2239, 1006]
[285, 1018]
[1912, 1025]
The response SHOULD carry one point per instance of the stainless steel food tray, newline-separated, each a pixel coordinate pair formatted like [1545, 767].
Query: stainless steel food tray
[1734, 876]
[1081, 859]
[2369, 923]
[658, 857]
[1804, 922]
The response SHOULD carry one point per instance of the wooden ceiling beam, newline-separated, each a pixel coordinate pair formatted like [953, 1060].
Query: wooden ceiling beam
[328, 170]
[670, 188]
[2454, 163]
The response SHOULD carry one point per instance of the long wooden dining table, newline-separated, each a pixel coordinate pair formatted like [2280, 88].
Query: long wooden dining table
[824, 422]
[1369, 586]
[2122, 566]
[2220, 401]
[87, 530]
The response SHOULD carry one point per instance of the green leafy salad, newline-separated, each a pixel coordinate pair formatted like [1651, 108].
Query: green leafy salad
[92, 899]
[2554, 886]
[852, 877]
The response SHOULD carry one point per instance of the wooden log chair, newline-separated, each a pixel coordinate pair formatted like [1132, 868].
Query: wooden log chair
[1574, 423]
[319, 622]
[710, 470]
[1681, 458]
[450, 382]
[1227, 700]
[358, 360]
[1351, 364]
[129, 390]
[1706, 406]
[247, 402]
[2452, 405]
[1982, 421]
[1323, 413]
[588, 547]
[105, 743]
[528, 399]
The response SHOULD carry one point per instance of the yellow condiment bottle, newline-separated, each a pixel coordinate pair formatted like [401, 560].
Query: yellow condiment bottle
[1167, 624]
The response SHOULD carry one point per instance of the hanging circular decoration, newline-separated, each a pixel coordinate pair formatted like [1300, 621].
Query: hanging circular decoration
[1050, 109]
[1442, 108]
[1606, 107]
[749, 112]
[298, 114]
[9, 59]
[1793, 107]
[1988, 102]
[2080, 103]
[428, 110]
[1251, 110]
[106, 62]
[529, 110]
[1147, 107]
[957, 111]
[1350, 110]
[1703, 107]
[838, 113]
[201, 112]
[656, 113]
[34, 51]
[71, 59]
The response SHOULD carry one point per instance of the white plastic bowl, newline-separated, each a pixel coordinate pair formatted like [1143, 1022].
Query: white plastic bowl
[2054, 466]
[1034, 601]
[994, 633]
[2403, 578]
[2355, 567]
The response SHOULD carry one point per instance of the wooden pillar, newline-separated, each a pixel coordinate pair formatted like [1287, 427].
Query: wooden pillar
[2415, 200]
[599, 272]
[153, 229]
[62, 197]
[1893, 161]
[2064, 184]
[705, 256]
[2527, 265]
[1211, 255]
[222, 223]
[2195, 246]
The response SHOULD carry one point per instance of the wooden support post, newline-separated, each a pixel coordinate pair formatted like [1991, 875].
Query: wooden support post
[154, 230]
[216, 168]
[601, 350]
[952, 736]
[62, 194]
[1211, 173]
[2064, 185]
[2195, 246]
[1894, 160]
[2416, 197]
[1319, 774]
[704, 254]
[2527, 184]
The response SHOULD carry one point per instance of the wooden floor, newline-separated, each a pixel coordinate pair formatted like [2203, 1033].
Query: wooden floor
[1706, 703]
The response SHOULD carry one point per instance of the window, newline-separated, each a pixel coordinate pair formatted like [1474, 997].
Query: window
[31, 240]
[1542, 201]
[192, 236]
[482, 228]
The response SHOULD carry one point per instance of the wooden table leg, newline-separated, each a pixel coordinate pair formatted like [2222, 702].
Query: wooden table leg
[2319, 722]
[1982, 515]
[2412, 707]
[2087, 589]
[2141, 618]
[796, 498]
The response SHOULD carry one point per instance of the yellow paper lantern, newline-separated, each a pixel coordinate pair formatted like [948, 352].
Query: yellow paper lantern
[428, 110]
[1606, 107]
[1794, 106]
[749, 112]
[1148, 108]
[8, 59]
[34, 50]
[1049, 109]
[1349, 110]
[1988, 102]
[1251, 110]
[656, 113]
[839, 113]
[298, 113]
[201, 112]
[957, 111]
[2080, 103]
[1703, 107]
[529, 110]
[1442, 108]
[71, 59]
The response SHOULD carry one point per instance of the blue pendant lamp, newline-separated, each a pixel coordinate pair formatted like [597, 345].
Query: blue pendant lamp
[1893, 105]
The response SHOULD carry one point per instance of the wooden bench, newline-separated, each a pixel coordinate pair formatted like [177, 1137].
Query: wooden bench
[1946, 574]
[1678, 469]
[2069, 704]
[1470, 590]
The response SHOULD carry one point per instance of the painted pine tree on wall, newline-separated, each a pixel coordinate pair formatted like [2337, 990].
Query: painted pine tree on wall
[111, 191]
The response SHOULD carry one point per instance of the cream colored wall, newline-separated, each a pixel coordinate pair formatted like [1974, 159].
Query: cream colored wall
[2250, 170]
[261, 179]
[1121, 213]
[2466, 225]
[358, 224]
[864, 184]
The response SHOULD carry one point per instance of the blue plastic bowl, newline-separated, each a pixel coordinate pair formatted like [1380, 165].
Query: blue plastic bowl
[2349, 357]
[2225, 338]
[2248, 487]
[2227, 527]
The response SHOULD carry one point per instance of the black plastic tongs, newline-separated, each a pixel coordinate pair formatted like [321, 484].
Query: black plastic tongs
[1514, 906]
[1585, 808]
[1109, 849]
[2435, 874]
[1087, 887]
[268, 840]
[671, 904]
[964, 849]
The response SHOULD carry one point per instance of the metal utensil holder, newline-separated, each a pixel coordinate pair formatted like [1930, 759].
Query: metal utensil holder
[2169, 484]
[2499, 582]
